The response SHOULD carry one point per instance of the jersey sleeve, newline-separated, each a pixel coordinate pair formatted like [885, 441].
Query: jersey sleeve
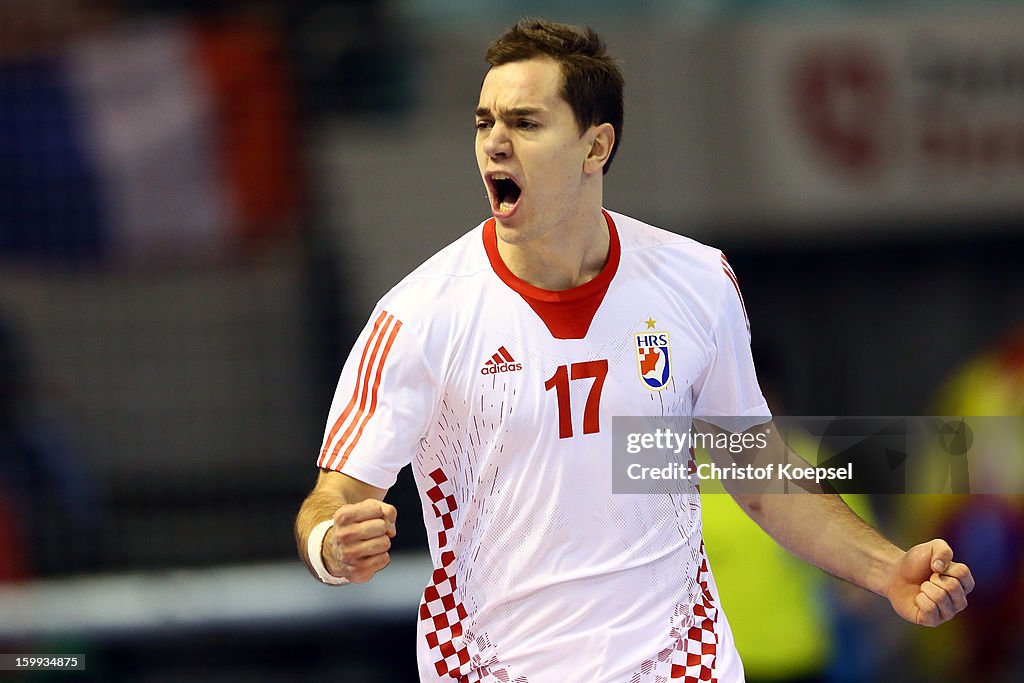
[728, 385]
[384, 400]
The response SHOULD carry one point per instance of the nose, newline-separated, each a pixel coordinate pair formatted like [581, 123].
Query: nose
[497, 144]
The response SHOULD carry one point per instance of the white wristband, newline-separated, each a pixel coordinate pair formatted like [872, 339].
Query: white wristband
[314, 548]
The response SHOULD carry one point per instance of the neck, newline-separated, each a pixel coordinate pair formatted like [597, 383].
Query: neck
[561, 257]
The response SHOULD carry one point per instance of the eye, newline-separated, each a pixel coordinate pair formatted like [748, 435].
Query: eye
[483, 124]
[526, 125]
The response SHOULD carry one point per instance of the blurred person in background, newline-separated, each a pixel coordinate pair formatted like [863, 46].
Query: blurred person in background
[129, 140]
[14, 552]
[987, 645]
[48, 191]
[143, 136]
[486, 368]
[49, 522]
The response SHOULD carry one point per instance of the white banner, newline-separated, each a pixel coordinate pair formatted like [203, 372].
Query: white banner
[882, 117]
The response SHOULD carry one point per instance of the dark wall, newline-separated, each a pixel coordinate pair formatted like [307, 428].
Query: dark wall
[873, 328]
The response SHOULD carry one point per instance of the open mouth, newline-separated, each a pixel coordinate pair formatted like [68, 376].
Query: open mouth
[505, 193]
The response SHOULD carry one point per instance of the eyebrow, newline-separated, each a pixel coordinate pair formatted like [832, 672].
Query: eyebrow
[510, 113]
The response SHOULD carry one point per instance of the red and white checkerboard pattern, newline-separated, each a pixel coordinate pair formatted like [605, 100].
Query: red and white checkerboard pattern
[693, 655]
[439, 605]
[445, 614]
[443, 505]
[457, 653]
[701, 642]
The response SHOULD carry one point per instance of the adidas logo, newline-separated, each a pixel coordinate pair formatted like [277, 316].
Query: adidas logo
[502, 361]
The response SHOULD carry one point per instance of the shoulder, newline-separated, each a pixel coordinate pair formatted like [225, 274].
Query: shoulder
[421, 315]
[433, 303]
[671, 257]
[636, 236]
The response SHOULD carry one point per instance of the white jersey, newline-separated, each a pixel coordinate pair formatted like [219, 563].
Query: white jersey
[501, 395]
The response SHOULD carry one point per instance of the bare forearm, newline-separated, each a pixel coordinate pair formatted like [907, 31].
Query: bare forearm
[823, 530]
[923, 584]
[317, 507]
[815, 524]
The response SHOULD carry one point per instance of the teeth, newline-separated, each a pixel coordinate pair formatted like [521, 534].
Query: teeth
[499, 176]
[506, 206]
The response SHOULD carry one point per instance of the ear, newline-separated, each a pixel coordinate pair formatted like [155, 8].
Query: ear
[602, 139]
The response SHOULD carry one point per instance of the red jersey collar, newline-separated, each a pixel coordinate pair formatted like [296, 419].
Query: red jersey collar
[598, 285]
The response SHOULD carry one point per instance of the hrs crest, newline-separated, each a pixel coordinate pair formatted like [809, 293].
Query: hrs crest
[653, 358]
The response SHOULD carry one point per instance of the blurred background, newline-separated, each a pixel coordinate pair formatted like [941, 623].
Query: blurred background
[200, 203]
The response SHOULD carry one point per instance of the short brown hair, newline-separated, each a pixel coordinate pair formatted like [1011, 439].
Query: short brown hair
[592, 82]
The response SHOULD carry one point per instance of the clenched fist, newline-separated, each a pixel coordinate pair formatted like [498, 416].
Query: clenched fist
[356, 547]
[927, 587]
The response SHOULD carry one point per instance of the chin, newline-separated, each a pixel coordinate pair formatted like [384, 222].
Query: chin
[510, 232]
